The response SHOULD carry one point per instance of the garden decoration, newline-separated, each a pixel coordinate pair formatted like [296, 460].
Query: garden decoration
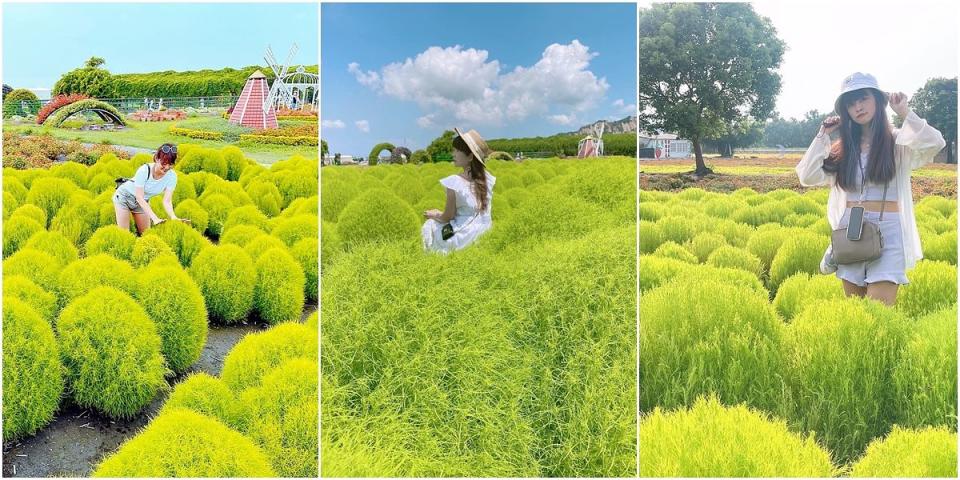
[252, 108]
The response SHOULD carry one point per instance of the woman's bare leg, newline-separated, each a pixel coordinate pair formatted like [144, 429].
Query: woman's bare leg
[143, 222]
[885, 292]
[123, 216]
[852, 289]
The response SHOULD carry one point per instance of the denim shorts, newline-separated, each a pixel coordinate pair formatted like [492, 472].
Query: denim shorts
[891, 266]
[126, 200]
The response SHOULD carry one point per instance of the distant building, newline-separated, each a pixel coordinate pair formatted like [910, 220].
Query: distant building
[344, 160]
[664, 145]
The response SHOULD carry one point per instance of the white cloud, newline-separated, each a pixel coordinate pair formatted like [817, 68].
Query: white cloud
[562, 119]
[454, 85]
[363, 126]
[622, 107]
[332, 124]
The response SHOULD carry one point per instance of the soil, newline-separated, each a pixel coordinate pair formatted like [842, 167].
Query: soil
[79, 438]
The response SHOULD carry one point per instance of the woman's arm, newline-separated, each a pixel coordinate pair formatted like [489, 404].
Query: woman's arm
[145, 205]
[449, 210]
[168, 203]
[810, 169]
[920, 138]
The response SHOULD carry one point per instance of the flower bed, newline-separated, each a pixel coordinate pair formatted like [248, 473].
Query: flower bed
[57, 102]
[40, 151]
[157, 116]
[193, 133]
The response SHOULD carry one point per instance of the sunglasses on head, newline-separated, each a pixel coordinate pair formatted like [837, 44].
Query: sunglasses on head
[169, 149]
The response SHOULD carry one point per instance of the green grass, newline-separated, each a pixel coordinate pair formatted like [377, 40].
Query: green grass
[755, 170]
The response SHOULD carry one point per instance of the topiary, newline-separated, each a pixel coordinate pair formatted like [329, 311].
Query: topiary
[374, 156]
[185, 242]
[247, 215]
[732, 257]
[281, 416]
[801, 290]
[32, 372]
[206, 395]
[16, 231]
[240, 235]
[926, 453]
[218, 206]
[671, 249]
[697, 333]
[226, 277]
[799, 253]
[933, 286]
[149, 248]
[841, 354]
[182, 443]
[99, 270]
[174, 302]
[111, 352]
[50, 194]
[294, 228]
[235, 162]
[111, 240]
[40, 267]
[925, 376]
[305, 251]
[23, 289]
[258, 353]
[199, 219]
[711, 440]
[278, 293]
[374, 216]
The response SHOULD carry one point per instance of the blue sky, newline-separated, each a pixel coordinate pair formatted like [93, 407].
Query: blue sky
[403, 73]
[43, 41]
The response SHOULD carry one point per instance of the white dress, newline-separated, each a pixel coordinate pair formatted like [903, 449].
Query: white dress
[468, 223]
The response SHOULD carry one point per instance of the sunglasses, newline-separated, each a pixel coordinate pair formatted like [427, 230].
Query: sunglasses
[169, 149]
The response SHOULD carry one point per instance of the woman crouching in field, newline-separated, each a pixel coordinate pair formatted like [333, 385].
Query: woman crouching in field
[133, 195]
[466, 215]
[868, 169]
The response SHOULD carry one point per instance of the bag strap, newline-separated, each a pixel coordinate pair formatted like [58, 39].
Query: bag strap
[883, 204]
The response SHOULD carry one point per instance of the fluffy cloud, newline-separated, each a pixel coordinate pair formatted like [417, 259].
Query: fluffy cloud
[456, 84]
[625, 108]
[363, 126]
[332, 124]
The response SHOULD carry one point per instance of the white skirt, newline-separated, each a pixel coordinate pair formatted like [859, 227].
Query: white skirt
[432, 235]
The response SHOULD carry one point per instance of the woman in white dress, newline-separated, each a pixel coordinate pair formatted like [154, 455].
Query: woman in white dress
[466, 215]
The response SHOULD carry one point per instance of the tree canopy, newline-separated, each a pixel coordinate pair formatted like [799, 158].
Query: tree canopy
[936, 102]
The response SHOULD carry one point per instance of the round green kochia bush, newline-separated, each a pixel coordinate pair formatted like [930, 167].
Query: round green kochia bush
[10, 203]
[203, 159]
[925, 376]
[261, 244]
[802, 290]
[72, 171]
[258, 353]
[713, 440]
[235, 161]
[278, 292]
[32, 372]
[926, 453]
[40, 267]
[377, 216]
[535, 221]
[53, 243]
[933, 286]
[650, 237]
[703, 244]
[313, 321]
[23, 289]
[696, 331]
[185, 242]
[182, 443]
[77, 219]
[226, 277]
[841, 354]
[302, 206]
[16, 232]
[207, 395]
[111, 240]
[677, 229]
[294, 228]
[336, 196]
[218, 206]
[732, 257]
[88, 273]
[281, 417]
[671, 249]
[30, 211]
[246, 215]
[799, 253]
[199, 219]
[174, 302]
[942, 247]
[50, 194]
[149, 248]
[737, 234]
[330, 245]
[765, 243]
[656, 270]
[266, 197]
[305, 251]
[240, 235]
[111, 351]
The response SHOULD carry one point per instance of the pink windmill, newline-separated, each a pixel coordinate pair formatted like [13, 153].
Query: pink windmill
[252, 109]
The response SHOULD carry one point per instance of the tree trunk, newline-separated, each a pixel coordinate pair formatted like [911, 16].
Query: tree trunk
[950, 157]
[698, 153]
[726, 150]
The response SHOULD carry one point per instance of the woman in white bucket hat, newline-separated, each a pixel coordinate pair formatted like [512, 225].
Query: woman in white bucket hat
[466, 215]
[870, 149]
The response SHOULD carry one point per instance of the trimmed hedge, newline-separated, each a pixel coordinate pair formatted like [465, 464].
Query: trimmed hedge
[195, 133]
[226, 277]
[278, 292]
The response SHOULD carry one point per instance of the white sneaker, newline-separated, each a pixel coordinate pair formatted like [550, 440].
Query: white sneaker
[827, 265]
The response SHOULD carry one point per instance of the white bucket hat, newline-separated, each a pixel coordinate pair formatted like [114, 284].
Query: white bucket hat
[859, 80]
[476, 144]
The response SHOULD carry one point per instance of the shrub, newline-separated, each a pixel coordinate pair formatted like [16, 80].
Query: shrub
[534, 221]
[926, 453]
[149, 248]
[799, 253]
[256, 247]
[84, 275]
[765, 244]
[313, 321]
[246, 215]
[240, 235]
[206, 395]
[50, 194]
[295, 228]
[655, 270]
[218, 206]
[925, 377]
[673, 250]
[737, 234]
[293, 185]
[181, 443]
[235, 162]
[677, 229]
[199, 219]
[14, 101]
[226, 276]
[377, 215]
[185, 241]
[281, 416]
[697, 334]
[32, 212]
[933, 286]
[711, 440]
[278, 293]
[330, 244]
[23, 289]
[305, 251]
[77, 220]
[802, 290]
[942, 247]
[258, 353]
[840, 353]
[111, 352]
[40, 267]
[113, 241]
[704, 244]
[173, 300]
[16, 231]
[32, 372]
[266, 197]
[733, 257]
[203, 159]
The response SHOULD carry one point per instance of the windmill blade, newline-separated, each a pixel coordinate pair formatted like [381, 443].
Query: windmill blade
[272, 61]
[286, 65]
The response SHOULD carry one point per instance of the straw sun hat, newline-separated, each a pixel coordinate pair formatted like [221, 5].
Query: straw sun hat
[476, 144]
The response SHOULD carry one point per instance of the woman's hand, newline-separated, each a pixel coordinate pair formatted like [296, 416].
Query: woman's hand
[159, 220]
[898, 102]
[432, 214]
[829, 124]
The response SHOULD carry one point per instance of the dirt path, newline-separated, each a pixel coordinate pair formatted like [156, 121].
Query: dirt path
[78, 438]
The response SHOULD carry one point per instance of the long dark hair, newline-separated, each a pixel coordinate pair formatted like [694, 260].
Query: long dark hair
[844, 158]
[477, 172]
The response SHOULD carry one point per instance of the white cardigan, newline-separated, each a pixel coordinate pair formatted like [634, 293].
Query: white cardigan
[915, 145]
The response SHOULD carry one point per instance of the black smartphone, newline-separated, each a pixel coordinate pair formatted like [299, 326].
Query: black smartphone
[855, 227]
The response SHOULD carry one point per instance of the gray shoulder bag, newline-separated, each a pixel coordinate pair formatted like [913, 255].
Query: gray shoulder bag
[848, 247]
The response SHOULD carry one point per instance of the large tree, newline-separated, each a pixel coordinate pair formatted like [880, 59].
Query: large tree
[89, 79]
[441, 148]
[737, 135]
[705, 67]
[936, 102]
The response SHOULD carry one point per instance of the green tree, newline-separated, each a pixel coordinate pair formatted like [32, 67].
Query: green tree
[704, 67]
[936, 102]
[324, 148]
[738, 135]
[442, 146]
[89, 79]
[94, 62]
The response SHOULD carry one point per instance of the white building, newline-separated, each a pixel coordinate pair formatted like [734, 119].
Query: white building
[666, 145]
